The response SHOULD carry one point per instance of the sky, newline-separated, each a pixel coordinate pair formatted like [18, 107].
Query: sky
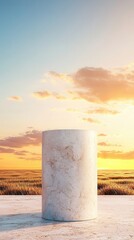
[66, 64]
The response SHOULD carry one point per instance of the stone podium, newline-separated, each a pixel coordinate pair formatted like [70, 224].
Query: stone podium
[69, 175]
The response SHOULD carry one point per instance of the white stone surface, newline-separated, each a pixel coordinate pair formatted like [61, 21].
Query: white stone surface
[69, 179]
[20, 219]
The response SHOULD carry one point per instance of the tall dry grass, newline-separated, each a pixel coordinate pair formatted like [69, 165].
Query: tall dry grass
[28, 182]
[20, 182]
[115, 182]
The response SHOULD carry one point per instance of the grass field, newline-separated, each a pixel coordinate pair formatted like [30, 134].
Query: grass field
[28, 182]
[115, 182]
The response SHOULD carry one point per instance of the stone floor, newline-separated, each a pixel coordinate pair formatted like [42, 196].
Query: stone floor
[20, 218]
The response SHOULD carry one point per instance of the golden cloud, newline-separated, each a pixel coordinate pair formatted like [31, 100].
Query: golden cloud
[29, 138]
[32, 157]
[15, 98]
[21, 154]
[13, 145]
[42, 94]
[96, 85]
[116, 155]
[6, 150]
[56, 75]
[46, 94]
[102, 135]
[54, 78]
[94, 111]
[105, 144]
[100, 85]
[91, 120]
[102, 111]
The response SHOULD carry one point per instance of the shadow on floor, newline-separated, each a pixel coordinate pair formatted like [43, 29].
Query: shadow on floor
[23, 220]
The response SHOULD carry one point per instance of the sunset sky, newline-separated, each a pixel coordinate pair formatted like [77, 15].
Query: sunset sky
[66, 64]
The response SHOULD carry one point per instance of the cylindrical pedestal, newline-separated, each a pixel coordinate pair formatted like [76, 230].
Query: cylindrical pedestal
[69, 175]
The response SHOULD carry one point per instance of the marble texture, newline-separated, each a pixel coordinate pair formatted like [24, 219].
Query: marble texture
[69, 175]
[20, 219]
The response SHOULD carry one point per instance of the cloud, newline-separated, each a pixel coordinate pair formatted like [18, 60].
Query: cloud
[75, 94]
[102, 111]
[15, 98]
[32, 157]
[55, 74]
[46, 94]
[96, 85]
[100, 85]
[60, 97]
[116, 155]
[102, 135]
[105, 144]
[13, 145]
[52, 76]
[41, 94]
[60, 76]
[12, 150]
[91, 120]
[6, 150]
[21, 154]
[29, 138]
[94, 111]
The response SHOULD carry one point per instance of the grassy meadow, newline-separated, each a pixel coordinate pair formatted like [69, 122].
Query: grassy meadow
[28, 182]
[116, 182]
